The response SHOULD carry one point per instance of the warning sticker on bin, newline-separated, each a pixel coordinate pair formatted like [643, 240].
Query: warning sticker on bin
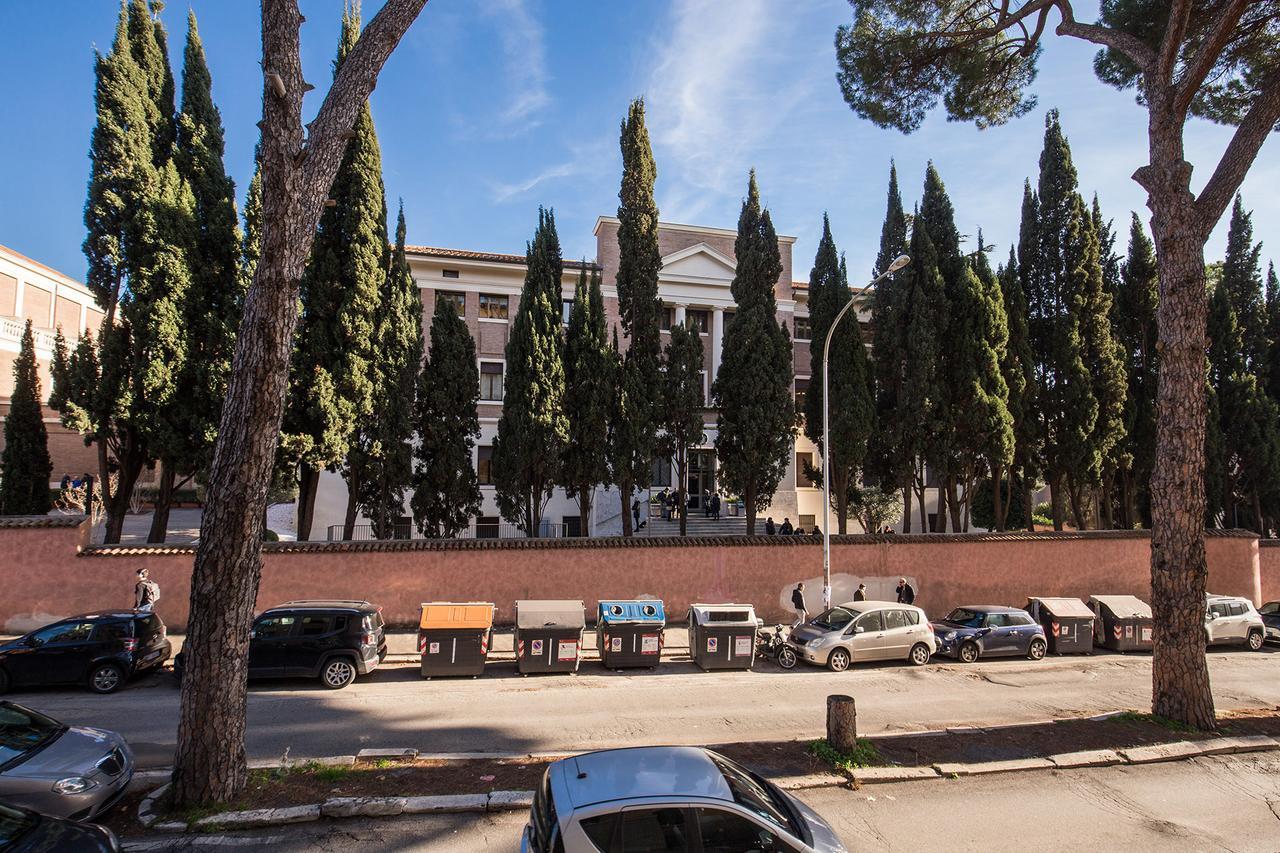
[615, 644]
[713, 643]
[535, 648]
[1146, 635]
[434, 649]
[742, 647]
[567, 650]
[1128, 630]
[649, 644]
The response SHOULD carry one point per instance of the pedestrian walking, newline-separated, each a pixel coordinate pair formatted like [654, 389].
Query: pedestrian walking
[635, 512]
[715, 506]
[797, 601]
[861, 593]
[906, 592]
[663, 506]
[769, 528]
[146, 592]
[786, 529]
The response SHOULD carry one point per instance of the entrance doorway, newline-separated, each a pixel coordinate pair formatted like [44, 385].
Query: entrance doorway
[702, 477]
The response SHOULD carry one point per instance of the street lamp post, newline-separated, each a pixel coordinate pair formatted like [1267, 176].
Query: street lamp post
[898, 263]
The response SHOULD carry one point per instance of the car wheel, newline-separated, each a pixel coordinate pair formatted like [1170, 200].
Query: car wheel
[106, 678]
[838, 661]
[1255, 643]
[969, 652]
[1036, 650]
[338, 673]
[919, 654]
[787, 657]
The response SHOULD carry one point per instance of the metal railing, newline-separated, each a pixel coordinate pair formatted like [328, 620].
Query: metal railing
[366, 533]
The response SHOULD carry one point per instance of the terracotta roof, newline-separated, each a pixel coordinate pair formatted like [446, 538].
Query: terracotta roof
[8, 522]
[489, 257]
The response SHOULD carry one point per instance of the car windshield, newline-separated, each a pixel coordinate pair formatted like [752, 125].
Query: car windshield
[967, 618]
[835, 619]
[753, 794]
[13, 825]
[22, 730]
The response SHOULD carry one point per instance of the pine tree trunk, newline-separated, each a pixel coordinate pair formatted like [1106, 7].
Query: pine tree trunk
[1056, 498]
[997, 496]
[308, 484]
[209, 764]
[1180, 675]
[164, 499]
[585, 496]
[842, 503]
[924, 512]
[750, 498]
[624, 494]
[1257, 515]
[1076, 500]
[130, 468]
[953, 503]
[682, 477]
[349, 517]
[1028, 502]
[906, 509]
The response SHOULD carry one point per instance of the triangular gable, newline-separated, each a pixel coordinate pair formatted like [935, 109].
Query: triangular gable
[698, 261]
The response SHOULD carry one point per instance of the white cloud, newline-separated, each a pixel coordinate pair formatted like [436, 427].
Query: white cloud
[524, 61]
[587, 160]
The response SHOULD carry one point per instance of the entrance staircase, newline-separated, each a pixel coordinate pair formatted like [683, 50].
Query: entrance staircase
[700, 525]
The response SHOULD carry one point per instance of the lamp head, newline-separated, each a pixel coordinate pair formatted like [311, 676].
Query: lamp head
[898, 263]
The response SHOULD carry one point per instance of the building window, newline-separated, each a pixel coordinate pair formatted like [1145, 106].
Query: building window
[491, 381]
[668, 318]
[802, 392]
[493, 307]
[566, 308]
[457, 300]
[661, 473]
[804, 331]
[448, 273]
[805, 464]
[700, 319]
[487, 526]
[484, 457]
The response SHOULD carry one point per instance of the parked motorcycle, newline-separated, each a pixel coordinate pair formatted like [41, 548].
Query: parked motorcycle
[773, 645]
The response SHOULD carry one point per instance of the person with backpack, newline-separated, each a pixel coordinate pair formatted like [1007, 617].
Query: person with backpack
[145, 593]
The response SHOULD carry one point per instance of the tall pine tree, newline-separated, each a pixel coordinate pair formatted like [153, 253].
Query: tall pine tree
[446, 494]
[682, 401]
[335, 365]
[385, 436]
[634, 430]
[589, 390]
[753, 388]
[533, 430]
[852, 410]
[25, 466]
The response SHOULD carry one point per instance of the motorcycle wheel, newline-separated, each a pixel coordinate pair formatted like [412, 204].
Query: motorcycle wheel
[787, 658]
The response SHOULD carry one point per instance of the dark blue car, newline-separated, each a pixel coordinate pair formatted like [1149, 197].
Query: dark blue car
[976, 631]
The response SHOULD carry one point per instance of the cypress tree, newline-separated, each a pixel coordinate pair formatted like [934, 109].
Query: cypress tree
[251, 241]
[589, 390]
[1273, 333]
[385, 436]
[335, 371]
[1018, 368]
[885, 455]
[533, 430]
[753, 388]
[445, 491]
[1242, 278]
[639, 311]
[25, 466]
[1136, 310]
[979, 394]
[852, 410]
[682, 402]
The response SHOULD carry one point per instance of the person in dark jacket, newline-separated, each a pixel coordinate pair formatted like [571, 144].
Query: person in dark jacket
[786, 529]
[861, 593]
[797, 601]
[769, 528]
[906, 593]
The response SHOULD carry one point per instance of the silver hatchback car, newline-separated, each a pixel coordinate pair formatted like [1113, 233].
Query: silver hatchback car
[64, 771]
[673, 798]
[865, 631]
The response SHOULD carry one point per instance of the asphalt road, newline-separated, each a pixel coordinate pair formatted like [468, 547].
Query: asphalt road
[1222, 803]
[678, 704]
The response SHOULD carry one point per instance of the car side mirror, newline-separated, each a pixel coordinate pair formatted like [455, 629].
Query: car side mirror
[1211, 616]
[858, 629]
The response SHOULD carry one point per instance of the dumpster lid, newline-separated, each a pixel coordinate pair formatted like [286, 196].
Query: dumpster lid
[1124, 606]
[1069, 607]
[557, 614]
[723, 614]
[634, 610]
[453, 614]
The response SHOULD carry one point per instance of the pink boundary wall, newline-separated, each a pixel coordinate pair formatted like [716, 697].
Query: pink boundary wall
[48, 570]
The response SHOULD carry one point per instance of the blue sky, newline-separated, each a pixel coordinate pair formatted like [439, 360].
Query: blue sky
[491, 108]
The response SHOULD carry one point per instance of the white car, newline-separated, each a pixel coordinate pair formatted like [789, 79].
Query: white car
[865, 631]
[1228, 619]
[669, 798]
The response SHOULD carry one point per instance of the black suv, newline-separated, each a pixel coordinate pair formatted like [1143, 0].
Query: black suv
[101, 650]
[331, 640]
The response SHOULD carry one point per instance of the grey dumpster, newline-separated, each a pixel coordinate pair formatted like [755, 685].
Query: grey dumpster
[549, 635]
[1067, 623]
[723, 636]
[1123, 623]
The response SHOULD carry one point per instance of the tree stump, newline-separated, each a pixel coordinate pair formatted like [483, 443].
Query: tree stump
[842, 723]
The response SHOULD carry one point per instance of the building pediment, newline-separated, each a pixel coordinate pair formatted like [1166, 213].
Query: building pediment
[697, 263]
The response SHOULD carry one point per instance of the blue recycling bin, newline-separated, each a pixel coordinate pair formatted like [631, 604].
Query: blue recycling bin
[629, 633]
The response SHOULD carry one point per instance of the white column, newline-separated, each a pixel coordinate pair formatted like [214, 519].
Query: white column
[717, 339]
[679, 320]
